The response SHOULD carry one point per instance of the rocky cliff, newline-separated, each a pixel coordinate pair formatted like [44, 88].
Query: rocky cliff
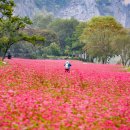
[80, 9]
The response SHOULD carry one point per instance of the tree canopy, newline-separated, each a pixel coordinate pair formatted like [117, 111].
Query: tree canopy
[64, 29]
[121, 45]
[11, 27]
[98, 35]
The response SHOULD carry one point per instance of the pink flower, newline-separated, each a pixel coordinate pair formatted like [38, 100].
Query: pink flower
[35, 94]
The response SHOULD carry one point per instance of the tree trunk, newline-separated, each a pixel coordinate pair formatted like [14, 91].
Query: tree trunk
[122, 60]
[3, 57]
[127, 62]
[103, 61]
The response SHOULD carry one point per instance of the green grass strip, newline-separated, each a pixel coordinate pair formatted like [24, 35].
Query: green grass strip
[128, 69]
[2, 63]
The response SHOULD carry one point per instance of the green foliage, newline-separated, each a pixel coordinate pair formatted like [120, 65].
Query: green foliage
[103, 22]
[48, 35]
[11, 27]
[76, 43]
[41, 49]
[64, 29]
[98, 36]
[1, 63]
[121, 46]
[6, 8]
[24, 50]
[54, 49]
[129, 69]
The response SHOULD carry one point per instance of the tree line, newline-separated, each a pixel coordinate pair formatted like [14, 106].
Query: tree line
[101, 38]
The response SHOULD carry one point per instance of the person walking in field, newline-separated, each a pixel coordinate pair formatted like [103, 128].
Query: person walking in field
[9, 55]
[67, 66]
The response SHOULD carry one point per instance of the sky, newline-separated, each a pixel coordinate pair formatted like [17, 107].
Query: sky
[127, 1]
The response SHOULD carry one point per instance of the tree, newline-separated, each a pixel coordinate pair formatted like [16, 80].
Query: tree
[77, 45]
[98, 36]
[54, 49]
[64, 29]
[23, 49]
[50, 37]
[11, 27]
[6, 8]
[121, 45]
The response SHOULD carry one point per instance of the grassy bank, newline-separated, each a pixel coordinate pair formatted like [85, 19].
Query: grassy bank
[128, 69]
[1, 63]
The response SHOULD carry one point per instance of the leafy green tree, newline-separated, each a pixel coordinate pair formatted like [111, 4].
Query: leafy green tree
[49, 35]
[64, 29]
[67, 50]
[11, 27]
[43, 48]
[54, 49]
[24, 50]
[98, 36]
[6, 8]
[77, 45]
[121, 45]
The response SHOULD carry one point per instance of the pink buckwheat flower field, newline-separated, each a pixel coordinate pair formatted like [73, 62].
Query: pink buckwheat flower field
[39, 95]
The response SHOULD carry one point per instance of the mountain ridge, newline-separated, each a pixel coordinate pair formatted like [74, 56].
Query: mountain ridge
[82, 10]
